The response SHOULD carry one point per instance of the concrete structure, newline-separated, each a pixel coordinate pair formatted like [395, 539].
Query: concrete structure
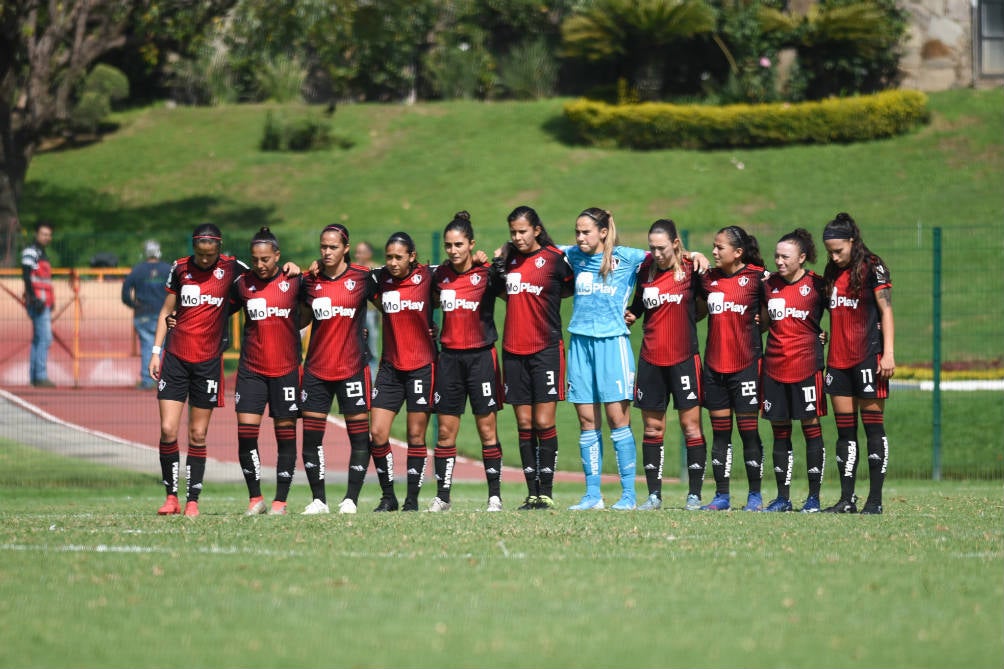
[953, 43]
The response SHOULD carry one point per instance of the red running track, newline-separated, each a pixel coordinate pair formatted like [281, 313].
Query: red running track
[132, 415]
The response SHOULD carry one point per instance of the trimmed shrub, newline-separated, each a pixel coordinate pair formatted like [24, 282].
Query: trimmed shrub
[303, 133]
[664, 126]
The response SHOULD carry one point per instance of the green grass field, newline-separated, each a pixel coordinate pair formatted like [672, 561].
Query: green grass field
[90, 577]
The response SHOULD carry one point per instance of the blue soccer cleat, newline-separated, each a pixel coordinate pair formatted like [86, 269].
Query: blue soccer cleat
[779, 504]
[754, 502]
[811, 505]
[719, 503]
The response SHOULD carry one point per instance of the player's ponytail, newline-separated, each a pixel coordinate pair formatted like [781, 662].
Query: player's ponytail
[740, 239]
[803, 239]
[264, 236]
[604, 221]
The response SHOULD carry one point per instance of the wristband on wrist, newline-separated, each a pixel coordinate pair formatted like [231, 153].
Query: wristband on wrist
[156, 350]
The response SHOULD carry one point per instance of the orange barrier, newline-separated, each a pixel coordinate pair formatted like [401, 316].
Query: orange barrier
[94, 343]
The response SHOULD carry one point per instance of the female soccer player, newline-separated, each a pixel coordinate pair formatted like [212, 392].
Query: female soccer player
[198, 294]
[792, 381]
[600, 360]
[860, 359]
[336, 365]
[269, 368]
[732, 356]
[669, 365]
[537, 276]
[404, 294]
[468, 365]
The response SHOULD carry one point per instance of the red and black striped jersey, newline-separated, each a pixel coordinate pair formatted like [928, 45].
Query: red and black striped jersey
[734, 341]
[407, 318]
[794, 351]
[468, 303]
[203, 307]
[670, 308]
[337, 348]
[855, 324]
[271, 340]
[534, 286]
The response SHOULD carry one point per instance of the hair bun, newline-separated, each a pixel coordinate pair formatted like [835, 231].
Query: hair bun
[463, 215]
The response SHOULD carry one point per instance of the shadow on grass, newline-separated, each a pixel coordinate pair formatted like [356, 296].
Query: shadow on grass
[89, 222]
[563, 131]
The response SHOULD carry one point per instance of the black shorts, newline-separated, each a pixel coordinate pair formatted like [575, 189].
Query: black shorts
[201, 383]
[793, 401]
[654, 385]
[280, 393]
[463, 374]
[394, 387]
[353, 393]
[536, 378]
[739, 391]
[861, 381]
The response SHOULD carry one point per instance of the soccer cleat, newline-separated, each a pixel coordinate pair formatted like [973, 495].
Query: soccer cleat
[528, 504]
[494, 503]
[386, 504]
[779, 504]
[544, 502]
[653, 503]
[192, 509]
[754, 502]
[315, 508]
[410, 504]
[346, 506]
[256, 507]
[719, 503]
[811, 504]
[871, 509]
[693, 503]
[843, 506]
[171, 506]
[588, 503]
[278, 509]
[438, 506]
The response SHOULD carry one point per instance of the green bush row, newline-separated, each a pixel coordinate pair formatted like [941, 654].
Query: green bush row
[664, 126]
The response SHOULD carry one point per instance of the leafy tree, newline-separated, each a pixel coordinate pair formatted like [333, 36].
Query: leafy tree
[46, 49]
[636, 34]
[844, 46]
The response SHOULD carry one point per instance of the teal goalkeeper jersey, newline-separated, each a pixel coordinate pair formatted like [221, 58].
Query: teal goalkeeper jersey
[598, 308]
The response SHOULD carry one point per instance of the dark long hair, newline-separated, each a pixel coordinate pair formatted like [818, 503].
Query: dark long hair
[740, 239]
[531, 217]
[344, 232]
[462, 223]
[207, 232]
[843, 227]
[405, 240]
[803, 239]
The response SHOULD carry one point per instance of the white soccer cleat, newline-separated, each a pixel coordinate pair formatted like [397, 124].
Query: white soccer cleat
[315, 508]
[438, 506]
[494, 503]
[346, 506]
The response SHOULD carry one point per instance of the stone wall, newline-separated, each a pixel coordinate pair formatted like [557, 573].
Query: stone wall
[938, 54]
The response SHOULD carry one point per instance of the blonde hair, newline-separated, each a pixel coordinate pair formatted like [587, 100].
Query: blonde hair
[604, 221]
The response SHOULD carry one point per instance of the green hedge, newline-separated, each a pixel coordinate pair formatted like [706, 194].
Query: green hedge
[654, 125]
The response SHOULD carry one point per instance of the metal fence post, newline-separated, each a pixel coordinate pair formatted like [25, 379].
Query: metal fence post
[936, 357]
